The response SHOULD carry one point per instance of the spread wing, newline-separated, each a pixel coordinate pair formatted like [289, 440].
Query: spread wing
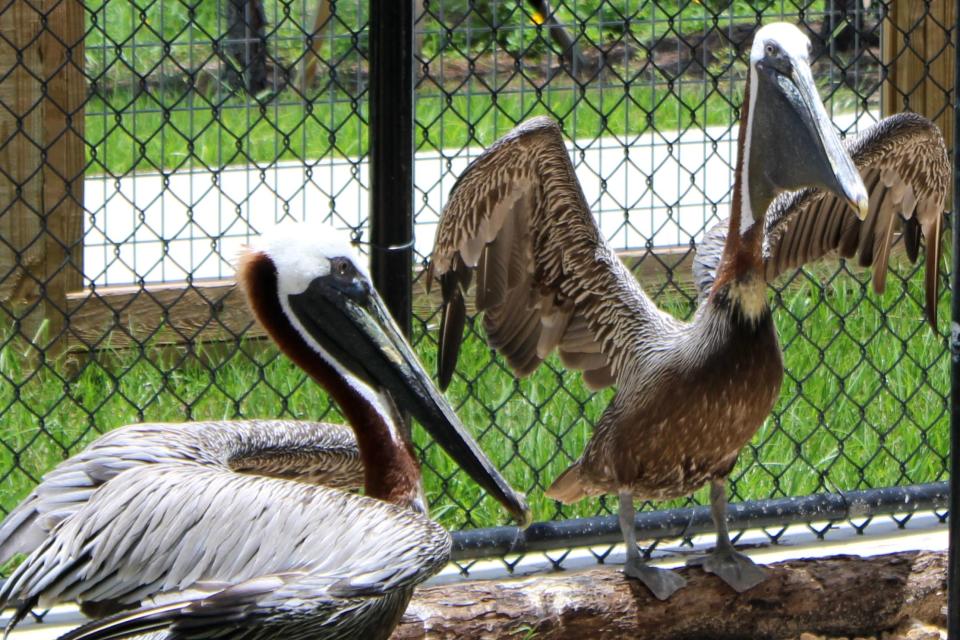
[319, 453]
[904, 165]
[167, 530]
[546, 279]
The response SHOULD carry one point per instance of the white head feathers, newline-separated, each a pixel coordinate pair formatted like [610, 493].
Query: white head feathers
[301, 253]
[788, 37]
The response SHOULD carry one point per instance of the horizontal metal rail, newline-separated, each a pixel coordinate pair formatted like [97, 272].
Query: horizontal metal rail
[495, 542]
[673, 523]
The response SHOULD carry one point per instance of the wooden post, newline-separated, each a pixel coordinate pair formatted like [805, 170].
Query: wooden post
[919, 57]
[41, 165]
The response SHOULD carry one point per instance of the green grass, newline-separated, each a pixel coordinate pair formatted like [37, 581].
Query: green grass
[166, 131]
[192, 133]
[849, 416]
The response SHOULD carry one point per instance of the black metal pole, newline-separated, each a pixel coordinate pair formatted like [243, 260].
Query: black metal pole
[391, 155]
[953, 571]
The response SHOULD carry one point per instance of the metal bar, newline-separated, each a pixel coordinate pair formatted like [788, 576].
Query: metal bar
[953, 569]
[496, 542]
[391, 154]
[580, 532]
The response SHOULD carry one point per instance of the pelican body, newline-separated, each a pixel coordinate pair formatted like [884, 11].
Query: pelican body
[247, 529]
[690, 394]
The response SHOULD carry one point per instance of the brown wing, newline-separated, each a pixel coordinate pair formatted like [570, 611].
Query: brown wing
[905, 168]
[545, 277]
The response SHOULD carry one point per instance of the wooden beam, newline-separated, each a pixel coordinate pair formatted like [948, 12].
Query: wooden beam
[841, 596]
[41, 164]
[918, 54]
[122, 317]
[126, 317]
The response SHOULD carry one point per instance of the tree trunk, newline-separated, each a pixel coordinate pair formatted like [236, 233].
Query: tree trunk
[840, 596]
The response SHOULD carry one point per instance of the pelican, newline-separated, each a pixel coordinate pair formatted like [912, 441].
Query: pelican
[244, 529]
[690, 394]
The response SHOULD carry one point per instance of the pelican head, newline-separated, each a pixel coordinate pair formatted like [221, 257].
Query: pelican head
[790, 142]
[311, 292]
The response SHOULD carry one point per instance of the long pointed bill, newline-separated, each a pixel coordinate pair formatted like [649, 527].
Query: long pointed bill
[848, 182]
[349, 320]
[798, 146]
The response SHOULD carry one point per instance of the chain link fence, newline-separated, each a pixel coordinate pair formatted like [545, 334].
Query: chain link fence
[160, 136]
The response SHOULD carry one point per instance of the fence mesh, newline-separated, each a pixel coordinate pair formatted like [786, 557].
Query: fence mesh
[203, 123]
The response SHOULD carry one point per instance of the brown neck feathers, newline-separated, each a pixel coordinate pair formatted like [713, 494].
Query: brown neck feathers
[742, 254]
[391, 472]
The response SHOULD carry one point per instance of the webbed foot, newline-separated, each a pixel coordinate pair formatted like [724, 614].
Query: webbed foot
[734, 568]
[662, 583]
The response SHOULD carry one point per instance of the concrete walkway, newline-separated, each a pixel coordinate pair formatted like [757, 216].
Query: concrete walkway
[663, 188]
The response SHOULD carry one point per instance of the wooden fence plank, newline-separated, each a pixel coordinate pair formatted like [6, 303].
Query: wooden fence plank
[41, 163]
[123, 317]
[215, 311]
[919, 55]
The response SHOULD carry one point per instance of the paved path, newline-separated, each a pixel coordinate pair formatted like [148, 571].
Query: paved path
[661, 187]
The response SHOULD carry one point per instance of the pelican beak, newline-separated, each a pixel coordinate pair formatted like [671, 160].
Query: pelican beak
[348, 319]
[802, 148]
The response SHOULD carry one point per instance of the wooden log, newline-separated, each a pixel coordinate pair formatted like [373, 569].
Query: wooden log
[837, 596]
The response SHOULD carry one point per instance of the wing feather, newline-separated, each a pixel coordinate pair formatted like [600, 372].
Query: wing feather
[130, 541]
[312, 452]
[904, 165]
[903, 161]
[546, 279]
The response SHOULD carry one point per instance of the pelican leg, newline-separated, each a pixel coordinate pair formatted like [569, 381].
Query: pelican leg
[661, 582]
[725, 562]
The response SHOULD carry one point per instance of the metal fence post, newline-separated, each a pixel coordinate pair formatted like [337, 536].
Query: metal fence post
[391, 154]
[953, 573]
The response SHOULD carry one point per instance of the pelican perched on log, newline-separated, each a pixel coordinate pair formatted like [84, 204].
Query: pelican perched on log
[244, 529]
[690, 394]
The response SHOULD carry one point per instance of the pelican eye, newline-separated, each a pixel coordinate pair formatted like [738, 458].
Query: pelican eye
[342, 268]
[770, 49]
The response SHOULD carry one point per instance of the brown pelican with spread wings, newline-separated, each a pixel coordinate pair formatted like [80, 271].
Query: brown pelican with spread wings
[690, 394]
